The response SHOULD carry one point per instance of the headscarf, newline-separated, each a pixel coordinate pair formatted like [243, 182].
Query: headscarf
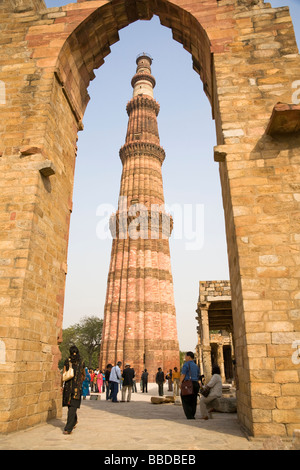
[72, 388]
[74, 355]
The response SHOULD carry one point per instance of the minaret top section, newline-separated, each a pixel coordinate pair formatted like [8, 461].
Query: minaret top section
[143, 82]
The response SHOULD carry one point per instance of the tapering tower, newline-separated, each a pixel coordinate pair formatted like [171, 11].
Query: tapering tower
[139, 316]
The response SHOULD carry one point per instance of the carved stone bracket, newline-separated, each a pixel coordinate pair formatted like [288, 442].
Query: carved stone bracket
[285, 119]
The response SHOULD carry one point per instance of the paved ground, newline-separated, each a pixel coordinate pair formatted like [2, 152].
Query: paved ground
[138, 425]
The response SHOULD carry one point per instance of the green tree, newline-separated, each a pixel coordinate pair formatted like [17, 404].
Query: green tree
[182, 356]
[86, 335]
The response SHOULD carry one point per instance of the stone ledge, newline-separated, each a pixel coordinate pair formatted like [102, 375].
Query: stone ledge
[95, 396]
[220, 153]
[46, 168]
[160, 400]
[285, 119]
[224, 405]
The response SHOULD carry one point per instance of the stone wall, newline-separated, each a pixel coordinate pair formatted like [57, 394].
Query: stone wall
[213, 290]
[247, 58]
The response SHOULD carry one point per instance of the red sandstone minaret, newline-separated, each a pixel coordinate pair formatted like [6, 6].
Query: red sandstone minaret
[139, 314]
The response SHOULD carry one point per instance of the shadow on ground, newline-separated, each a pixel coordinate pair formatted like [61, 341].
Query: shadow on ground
[141, 410]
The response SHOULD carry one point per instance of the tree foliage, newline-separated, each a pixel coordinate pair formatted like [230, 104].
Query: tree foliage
[86, 335]
[182, 356]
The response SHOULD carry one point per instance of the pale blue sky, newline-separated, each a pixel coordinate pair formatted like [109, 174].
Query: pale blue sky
[187, 133]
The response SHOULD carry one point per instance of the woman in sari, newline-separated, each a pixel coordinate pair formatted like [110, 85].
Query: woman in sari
[100, 381]
[72, 388]
[86, 384]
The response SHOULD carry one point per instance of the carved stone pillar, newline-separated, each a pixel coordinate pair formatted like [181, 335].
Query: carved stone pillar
[221, 361]
[205, 340]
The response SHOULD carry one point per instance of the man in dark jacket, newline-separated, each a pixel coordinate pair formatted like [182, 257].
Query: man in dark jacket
[107, 383]
[160, 379]
[145, 381]
[128, 375]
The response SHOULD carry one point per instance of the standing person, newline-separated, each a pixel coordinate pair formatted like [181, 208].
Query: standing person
[103, 383]
[128, 375]
[107, 382]
[86, 384]
[145, 375]
[160, 380]
[215, 391]
[72, 388]
[134, 389]
[190, 370]
[95, 387]
[176, 381]
[100, 381]
[115, 378]
[92, 374]
[169, 379]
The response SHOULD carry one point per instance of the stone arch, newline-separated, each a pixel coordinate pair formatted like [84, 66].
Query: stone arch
[87, 46]
[229, 41]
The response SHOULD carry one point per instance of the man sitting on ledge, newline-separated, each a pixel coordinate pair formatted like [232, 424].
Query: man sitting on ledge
[215, 391]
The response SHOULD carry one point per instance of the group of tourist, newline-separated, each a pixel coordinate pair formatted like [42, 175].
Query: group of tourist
[113, 377]
[116, 378]
[94, 381]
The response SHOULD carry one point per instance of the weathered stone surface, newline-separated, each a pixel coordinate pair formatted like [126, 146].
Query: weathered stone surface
[136, 255]
[285, 119]
[224, 405]
[247, 57]
[95, 396]
[46, 168]
[161, 400]
[157, 400]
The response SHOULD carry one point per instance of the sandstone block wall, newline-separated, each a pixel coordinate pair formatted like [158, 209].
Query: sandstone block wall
[247, 58]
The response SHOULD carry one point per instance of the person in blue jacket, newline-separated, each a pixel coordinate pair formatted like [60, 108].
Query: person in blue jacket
[190, 370]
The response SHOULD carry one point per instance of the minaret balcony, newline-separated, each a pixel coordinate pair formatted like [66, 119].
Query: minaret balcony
[142, 101]
[142, 149]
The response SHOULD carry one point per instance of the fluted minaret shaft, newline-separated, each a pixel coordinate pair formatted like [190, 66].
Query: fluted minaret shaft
[139, 318]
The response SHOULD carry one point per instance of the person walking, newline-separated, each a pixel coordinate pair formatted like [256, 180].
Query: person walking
[160, 380]
[92, 374]
[103, 384]
[176, 381]
[72, 389]
[215, 391]
[134, 389]
[190, 371]
[95, 386]
[100, 381]
[86, 384]
[145, 376]
[169, 379]
[115, 379]
[128, 375]
[107, 382]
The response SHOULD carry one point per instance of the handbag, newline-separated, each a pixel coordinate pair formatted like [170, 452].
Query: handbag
[69, 374]
[205, 391]
[187, 386]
